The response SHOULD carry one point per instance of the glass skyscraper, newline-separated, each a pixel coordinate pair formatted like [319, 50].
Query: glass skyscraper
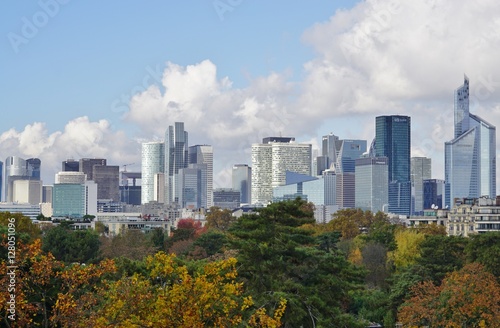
[420, 171]
[372, 184]
[153, 156]
[204, 155]
[242, 182]
[393, 140]
[176, 158]
[470, 164]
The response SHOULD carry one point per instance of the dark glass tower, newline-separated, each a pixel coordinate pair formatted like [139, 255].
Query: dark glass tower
[393, 141]
[176, 158]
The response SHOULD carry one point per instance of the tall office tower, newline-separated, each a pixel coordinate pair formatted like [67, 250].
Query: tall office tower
[242, 182]
[87, 166]
[470, 164]
[107, 178]
[372, 178]
[47, 194]
[70, 165]
[15, 169]
[393, 140]
[1, 180]
[159, 187]
[27, 191]
[190, 186]
[433, 194]
[153, 157]
[349, 151]
[271, 160]
[420, 171]
[74, 200]
[330, 147]
[176, 157]
[33, 167]
[204, 154]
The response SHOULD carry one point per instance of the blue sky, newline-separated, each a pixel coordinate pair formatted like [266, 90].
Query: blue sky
[96, 78]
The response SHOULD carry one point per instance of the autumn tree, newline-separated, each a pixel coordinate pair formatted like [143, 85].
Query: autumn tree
[351, 222]
[220, 219]
[132, 244]
[469, 297]
[408, 248]
[279, 259]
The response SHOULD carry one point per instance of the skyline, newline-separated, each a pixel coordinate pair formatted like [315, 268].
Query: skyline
[251, 72]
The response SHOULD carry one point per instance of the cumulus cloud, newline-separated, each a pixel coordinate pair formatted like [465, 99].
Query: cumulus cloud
[80, 138]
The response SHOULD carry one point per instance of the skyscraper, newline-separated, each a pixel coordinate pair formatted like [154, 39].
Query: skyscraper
[242, 182]
[393, 140]
[372, 189]
[70, 165]
[107, 178]
[17, 168]
[176, 157]
[420, 171]
[204, 155]
[271, 160]
[470, 158]
[153, 157]
[348, 152]
[86, 166]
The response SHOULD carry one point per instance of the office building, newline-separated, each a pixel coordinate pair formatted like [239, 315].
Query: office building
[107, 178]
[86, 166]
[470, 158]
[271, 160]
[74, 200]
[190, 186]
[17, 168]
[159, 188]
[130, 192]
[226, 198]
[176, 158]
[242, 182]
[204, 155]
[420, 170]
[71, 177]
[434, 194]
[472, 216]
[153, 157]
[27, 191]
[348, 152]
[70, 165]
[372, 188]
[47, 194]
[393, 140]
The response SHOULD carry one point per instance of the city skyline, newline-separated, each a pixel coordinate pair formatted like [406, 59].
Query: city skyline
[301, 71]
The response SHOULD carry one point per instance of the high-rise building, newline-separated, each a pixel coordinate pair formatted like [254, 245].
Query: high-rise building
[242, 182]
[433, 194]
[176, 157]
[271, 160]
[70, 165]
[190, 186]
[470, 158]
[73, 196]
[27, 191]
[372, 178]
[348, 152]
[86, 166]
[226, 198]
[153, 157]
[330, 147]
[203, 154]
[47, 194]
[420, 171]
[16, 169]
[107, 178]
[393, 140]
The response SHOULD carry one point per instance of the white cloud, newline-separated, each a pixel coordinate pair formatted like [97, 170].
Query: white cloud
[80, 138]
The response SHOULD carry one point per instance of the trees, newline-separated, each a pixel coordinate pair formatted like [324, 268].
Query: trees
[351, 222]
[485, 249]
[469, 297]
[220, 219]
[70, 246]
[278, 259]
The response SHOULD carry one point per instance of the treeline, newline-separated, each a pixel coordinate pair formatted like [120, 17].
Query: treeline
[277, 268]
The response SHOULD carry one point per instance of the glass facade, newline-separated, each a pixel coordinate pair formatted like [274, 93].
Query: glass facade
[393, 140]
[242, 182]
[470, 158]
[203, 154]
[69, 200]
[372, 191]
[433, 194]
[153, 155]
[176, 158]
[420, 171]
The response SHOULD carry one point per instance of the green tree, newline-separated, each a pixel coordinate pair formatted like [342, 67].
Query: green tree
[485, 249]
[351, 222]
[70, 246]
[220, 219]
[279, 259]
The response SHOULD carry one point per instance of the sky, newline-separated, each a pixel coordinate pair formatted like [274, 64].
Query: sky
[98, 78]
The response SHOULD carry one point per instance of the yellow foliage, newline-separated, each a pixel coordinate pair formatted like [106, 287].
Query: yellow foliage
[408, 247]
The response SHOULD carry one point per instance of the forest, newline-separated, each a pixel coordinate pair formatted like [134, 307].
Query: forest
[273, 268]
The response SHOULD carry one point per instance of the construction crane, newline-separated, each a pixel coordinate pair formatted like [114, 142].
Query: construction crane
[125, 166]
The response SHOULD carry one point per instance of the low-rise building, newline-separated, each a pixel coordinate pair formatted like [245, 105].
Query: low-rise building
[473, 216]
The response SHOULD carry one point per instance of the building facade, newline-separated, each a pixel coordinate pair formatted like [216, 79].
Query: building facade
[372, 188]
[433, 194]
[86, 165]
[152, 162]
[348, 152]
[204, 155]
[176, 158]
[226, 198]
[474, 215]
[242, 182]
[107, 178]
[470, 158]
[393, 140]
[420, 170]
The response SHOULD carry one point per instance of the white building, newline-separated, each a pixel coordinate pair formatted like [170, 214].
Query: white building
[271, 160]
[153, 159]
[27, 191]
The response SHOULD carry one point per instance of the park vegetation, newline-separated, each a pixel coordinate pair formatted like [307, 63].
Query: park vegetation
[274, 268]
